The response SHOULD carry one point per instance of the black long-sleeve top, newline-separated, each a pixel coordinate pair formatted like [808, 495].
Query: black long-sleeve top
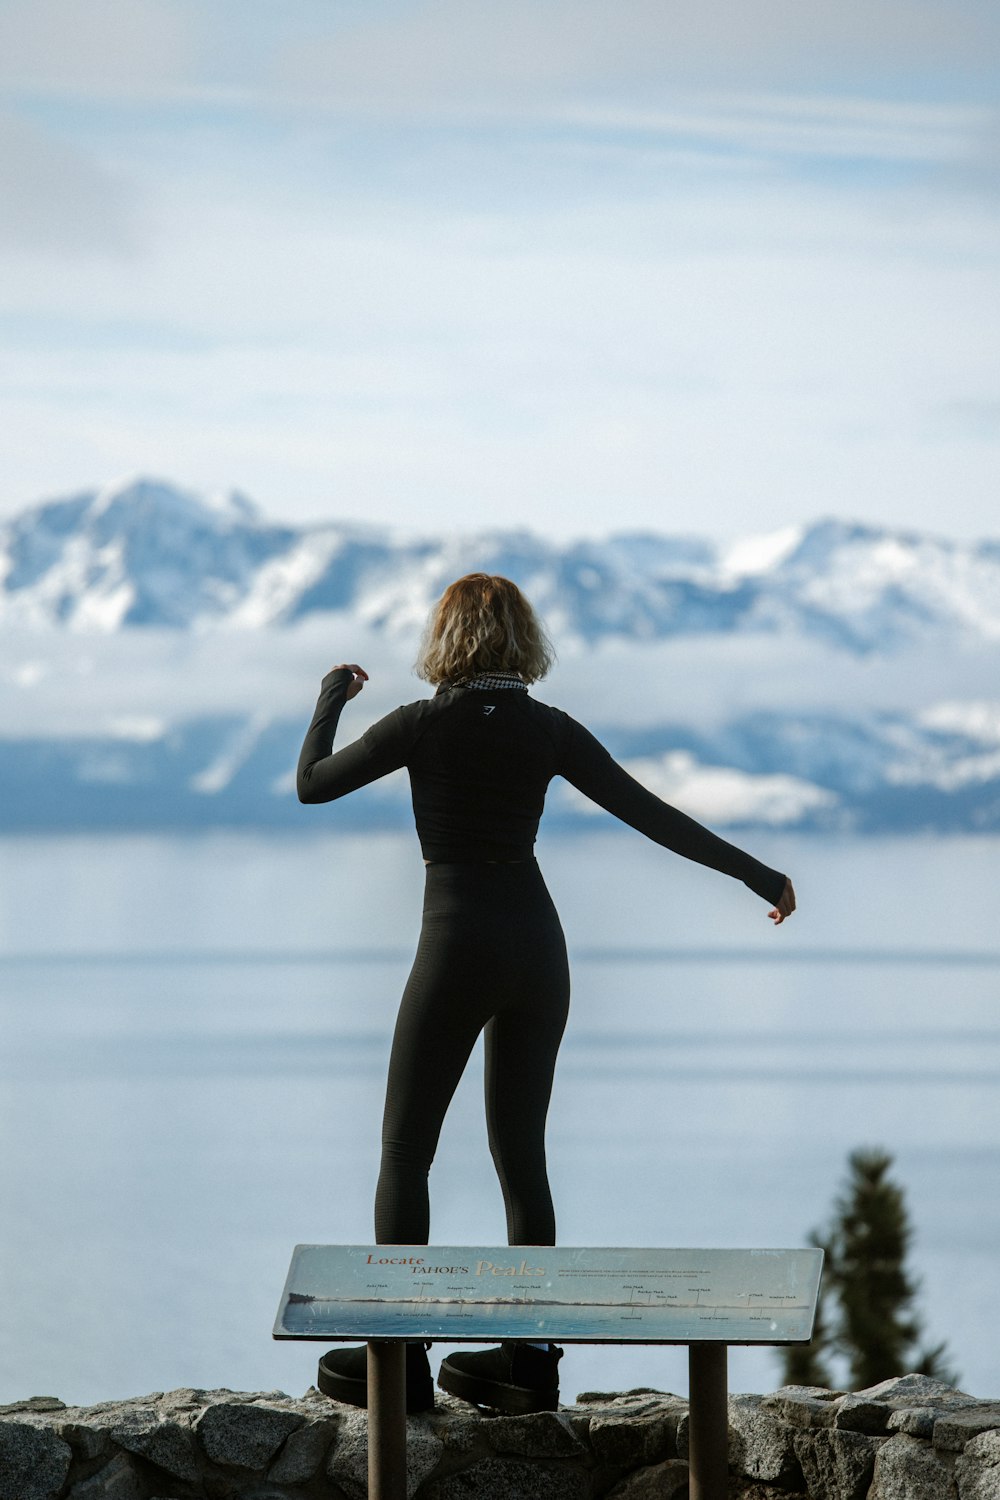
[480, 763]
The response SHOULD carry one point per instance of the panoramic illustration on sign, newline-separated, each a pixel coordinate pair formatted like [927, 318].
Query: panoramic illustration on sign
[472, 1294]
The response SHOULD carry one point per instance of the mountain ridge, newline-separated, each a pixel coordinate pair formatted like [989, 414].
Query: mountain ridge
[145, 552]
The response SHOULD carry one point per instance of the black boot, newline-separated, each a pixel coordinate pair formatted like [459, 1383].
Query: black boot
[516, 1377]
[343, 1376]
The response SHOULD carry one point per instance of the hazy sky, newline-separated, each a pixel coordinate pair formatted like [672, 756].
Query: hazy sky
[711, 265]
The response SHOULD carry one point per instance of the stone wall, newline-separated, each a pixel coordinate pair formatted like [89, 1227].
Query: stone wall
[907, 1439]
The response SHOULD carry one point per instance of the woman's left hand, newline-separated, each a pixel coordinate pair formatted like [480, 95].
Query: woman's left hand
[785, 906]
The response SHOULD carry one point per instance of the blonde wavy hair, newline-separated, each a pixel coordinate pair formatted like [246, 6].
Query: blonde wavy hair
[483, 623]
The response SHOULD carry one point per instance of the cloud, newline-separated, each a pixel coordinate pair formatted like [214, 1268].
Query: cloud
[99, 47]
[434, 55]
[58, 683]
[977, 170]
[774, 126]
[449, 53]
[750, 358]
[57, 198]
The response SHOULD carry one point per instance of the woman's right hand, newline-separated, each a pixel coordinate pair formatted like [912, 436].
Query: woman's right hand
[358, 677]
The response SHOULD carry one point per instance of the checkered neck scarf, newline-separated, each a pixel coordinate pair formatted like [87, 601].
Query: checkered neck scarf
[491, 681]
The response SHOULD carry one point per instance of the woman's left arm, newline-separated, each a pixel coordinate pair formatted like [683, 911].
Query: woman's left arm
[588, 766]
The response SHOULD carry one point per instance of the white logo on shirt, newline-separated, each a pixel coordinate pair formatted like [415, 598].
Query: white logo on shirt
[488, 708]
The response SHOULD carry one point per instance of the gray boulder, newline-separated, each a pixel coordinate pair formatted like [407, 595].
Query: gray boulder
[837, 1465]
[34, 1463]
[666, 1481]
[915, 1421]
[33, 1403]
[762, 1443]
[244, 1435]
[957, 1428]
[908, 1469]
[511, 1479]
[304, 1451]
[631, 1439]
[862, 1414]
[543, 1434]
[977, 1469]
[915, 1390]
[802, 1406]
[118, 1480]
[167, 1442]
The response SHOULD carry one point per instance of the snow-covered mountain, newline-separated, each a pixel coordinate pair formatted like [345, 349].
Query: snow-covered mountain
[161, 650]
[145, 553]
[139, 553]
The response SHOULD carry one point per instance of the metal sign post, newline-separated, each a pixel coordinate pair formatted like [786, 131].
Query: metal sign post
[707, 1299]
[386, 1419]
[708, 1422]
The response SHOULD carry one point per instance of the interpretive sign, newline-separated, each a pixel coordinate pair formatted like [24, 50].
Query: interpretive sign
[473, 1294]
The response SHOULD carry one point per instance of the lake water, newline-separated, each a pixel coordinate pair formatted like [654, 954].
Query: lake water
[195, 1038]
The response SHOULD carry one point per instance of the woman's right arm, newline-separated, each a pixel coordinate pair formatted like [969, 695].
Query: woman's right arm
[323, 775]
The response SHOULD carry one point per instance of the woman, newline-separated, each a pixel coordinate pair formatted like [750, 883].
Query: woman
[491, 955]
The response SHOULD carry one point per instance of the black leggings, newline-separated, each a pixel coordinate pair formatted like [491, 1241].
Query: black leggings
[491, 955]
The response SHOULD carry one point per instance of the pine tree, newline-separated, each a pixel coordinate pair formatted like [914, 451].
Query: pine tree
[872, 1236]
[876, 1328]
